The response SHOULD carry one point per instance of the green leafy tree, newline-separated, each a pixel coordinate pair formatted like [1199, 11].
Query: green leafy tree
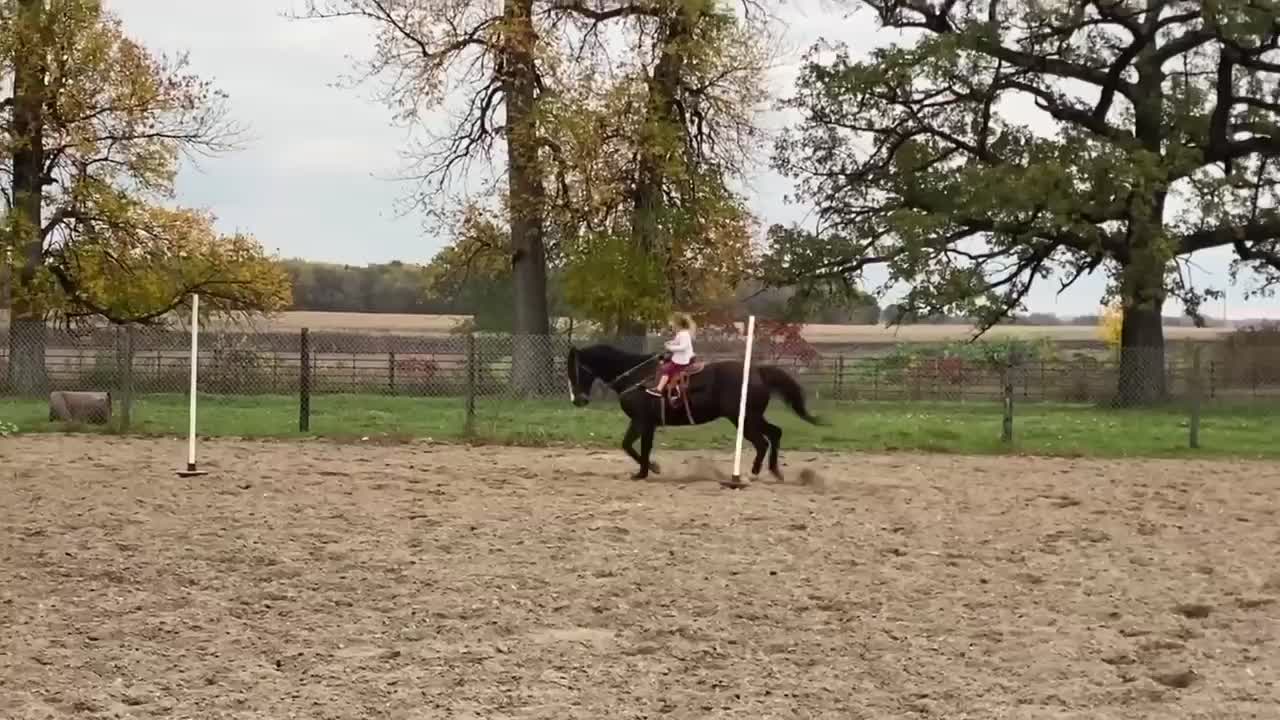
[1155, 138]
[822, 297]
[615, 283]
[643, 159]
[498, 60]
[472, 274]
[93, 127]
[536, 77]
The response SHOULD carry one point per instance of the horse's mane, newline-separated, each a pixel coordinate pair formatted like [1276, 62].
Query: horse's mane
[610, 353]
[610, 362]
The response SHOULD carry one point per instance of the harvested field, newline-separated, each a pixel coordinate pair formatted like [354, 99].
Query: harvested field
[816, 333]
[431, 325]
[423, 581]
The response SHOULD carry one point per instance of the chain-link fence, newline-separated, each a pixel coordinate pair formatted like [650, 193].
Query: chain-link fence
[513, 388]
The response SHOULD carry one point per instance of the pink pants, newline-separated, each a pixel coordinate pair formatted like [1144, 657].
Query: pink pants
[672, 370]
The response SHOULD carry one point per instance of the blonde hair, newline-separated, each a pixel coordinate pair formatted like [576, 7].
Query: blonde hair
[684, 321]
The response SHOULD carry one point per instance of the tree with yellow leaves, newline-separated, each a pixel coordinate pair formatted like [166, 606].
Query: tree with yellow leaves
[93, 129]
[623, 125]
[643, 160]
[475, 269]
[1110, 324]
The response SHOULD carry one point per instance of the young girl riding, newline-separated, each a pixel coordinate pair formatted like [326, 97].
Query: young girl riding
[680, 349]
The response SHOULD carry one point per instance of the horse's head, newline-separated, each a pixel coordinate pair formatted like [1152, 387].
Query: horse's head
[581, 379]
[609, 365]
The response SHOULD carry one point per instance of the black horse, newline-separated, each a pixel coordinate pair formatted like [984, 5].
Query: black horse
[712, 393]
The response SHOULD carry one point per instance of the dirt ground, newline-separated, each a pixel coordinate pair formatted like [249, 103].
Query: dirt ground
[314, 580]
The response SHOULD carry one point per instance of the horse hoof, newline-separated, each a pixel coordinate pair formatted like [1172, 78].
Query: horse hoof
[639, 476]
[653, 468]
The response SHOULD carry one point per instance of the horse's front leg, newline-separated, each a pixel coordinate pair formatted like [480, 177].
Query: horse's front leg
[629, 443]
[646, 449]
[629, 447]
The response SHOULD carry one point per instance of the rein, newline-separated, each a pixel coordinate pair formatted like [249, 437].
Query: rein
[577, 361]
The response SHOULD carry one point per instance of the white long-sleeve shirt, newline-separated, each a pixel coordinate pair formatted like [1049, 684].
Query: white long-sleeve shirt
[681, 347]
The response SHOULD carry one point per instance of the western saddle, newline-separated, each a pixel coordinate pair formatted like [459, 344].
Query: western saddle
[677, 391]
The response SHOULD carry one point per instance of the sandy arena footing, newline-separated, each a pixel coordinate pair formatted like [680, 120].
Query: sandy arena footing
[317, 580]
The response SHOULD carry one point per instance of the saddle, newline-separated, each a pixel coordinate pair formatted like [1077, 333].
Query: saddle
[680, 383]
[678, 390]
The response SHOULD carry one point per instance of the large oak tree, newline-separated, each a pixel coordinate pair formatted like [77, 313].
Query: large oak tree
[485, 55]
[573, 91]
[999, 144]
[642, 202]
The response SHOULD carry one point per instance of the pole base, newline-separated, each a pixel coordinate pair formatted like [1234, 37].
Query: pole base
[733, 483]
[191, 471]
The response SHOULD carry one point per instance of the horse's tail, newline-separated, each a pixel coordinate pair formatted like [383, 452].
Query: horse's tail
[780, 381]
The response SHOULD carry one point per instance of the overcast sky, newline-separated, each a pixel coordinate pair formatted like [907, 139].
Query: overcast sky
[317, 179]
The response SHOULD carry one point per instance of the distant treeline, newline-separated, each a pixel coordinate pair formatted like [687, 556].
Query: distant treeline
[401, 287]
[397, 287]
[393, 287]
[1051, 319]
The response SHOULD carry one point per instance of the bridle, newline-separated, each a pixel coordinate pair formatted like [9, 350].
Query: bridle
[578, 365]
[573, 359]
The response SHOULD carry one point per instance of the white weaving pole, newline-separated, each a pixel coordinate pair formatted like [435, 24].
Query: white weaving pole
[742, 401]
[195, 364]
[571, 374]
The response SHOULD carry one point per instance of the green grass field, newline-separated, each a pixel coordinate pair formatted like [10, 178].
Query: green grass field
[1053, 429]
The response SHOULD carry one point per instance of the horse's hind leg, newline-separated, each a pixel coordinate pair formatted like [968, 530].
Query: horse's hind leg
[755, 434]
[752, 434]
[773, 434]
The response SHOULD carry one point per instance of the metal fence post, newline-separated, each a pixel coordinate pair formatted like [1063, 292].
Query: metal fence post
[1006, 427]
[304, 381]
[1194, 423]
[469, 420]
[125, 364]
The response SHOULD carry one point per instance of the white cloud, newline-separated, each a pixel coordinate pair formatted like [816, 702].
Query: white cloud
[314, 181]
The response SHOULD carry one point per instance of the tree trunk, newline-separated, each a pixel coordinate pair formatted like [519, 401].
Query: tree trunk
[632, 335]
[1142, 370]
[531, 369]
[27, 373]
[1143, 265]
[648, 202]
[658, 142]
